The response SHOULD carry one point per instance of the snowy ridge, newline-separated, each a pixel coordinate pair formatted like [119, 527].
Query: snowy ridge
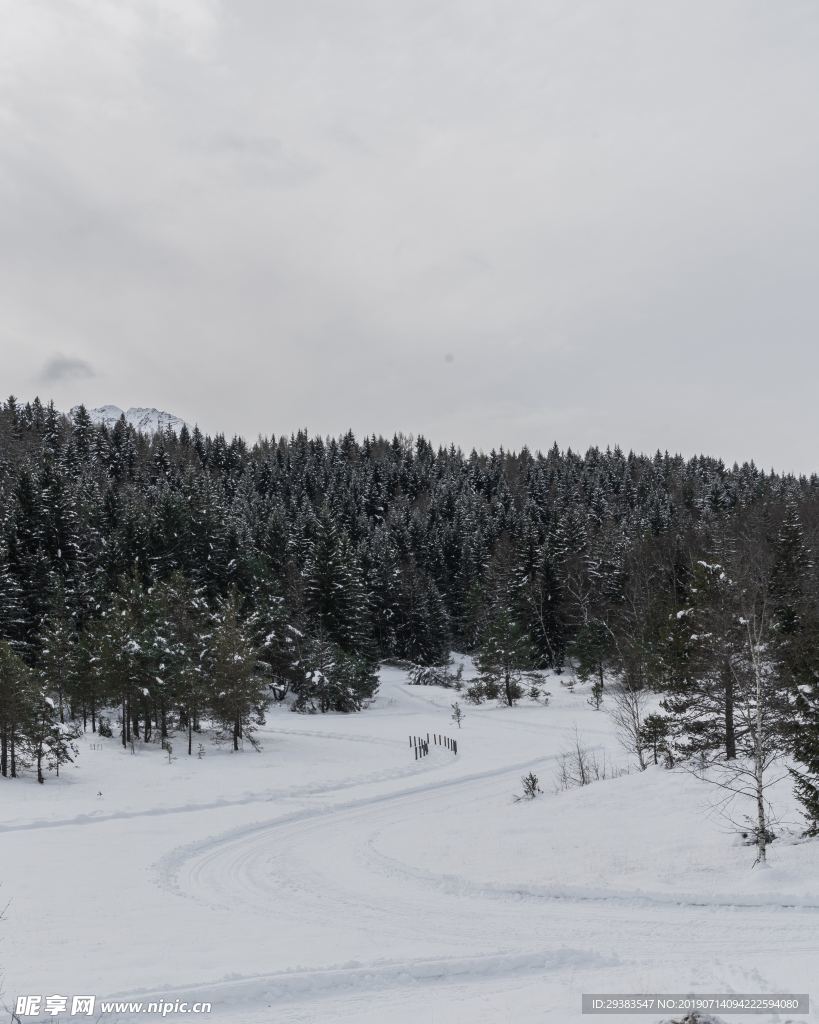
[145, 420]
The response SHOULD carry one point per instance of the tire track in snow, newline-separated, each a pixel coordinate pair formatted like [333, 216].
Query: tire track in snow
[459, 885]
[284, 868]
[263, 796]
[168, 866]
[298, 984]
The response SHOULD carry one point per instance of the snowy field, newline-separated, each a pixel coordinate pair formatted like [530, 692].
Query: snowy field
[333, 878]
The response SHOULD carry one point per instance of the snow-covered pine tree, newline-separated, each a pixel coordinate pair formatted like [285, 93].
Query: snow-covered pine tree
[238, 687]
[795, 650]
[333, 679]
[702, 698]
[50, 742]
[17, 688]
[56, 659]
[505, 653]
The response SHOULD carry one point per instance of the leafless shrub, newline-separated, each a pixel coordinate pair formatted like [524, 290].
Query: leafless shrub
[581, 766]
[627, 710]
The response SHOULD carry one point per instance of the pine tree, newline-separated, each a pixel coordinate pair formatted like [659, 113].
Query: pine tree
[505, 653]
[238, 691]
[702, 700]
[540, 600]
[795, 650]
[334, 680]
[27, 562]
[383, 580]
[56, 661]
[654, 734]
[17, 688]
[12, 618]
[326, 579]
[48, 740]
[277, 640]
[422, 628]
[114, 659]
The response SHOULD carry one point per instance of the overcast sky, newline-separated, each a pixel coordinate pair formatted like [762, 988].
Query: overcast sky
[488, 222]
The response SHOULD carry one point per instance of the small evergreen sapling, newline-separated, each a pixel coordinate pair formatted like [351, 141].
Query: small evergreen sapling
[596, 697]
[475, 693]
[654, 733]
[531, 787]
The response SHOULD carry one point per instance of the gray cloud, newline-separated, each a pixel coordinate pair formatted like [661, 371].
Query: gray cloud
[65, 368]
[265, 216]
[264, 160]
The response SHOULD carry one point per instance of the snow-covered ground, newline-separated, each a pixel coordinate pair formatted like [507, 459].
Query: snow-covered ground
[332, 877]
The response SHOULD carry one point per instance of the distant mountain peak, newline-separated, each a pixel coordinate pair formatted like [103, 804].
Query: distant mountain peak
[142, 418]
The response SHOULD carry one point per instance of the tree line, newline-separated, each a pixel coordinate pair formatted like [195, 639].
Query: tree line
[182, 577]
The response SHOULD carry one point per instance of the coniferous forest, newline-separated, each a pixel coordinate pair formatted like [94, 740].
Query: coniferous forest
[149, 583]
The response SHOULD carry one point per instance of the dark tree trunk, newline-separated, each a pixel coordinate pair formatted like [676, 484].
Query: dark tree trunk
[730, 733]
[507, 683]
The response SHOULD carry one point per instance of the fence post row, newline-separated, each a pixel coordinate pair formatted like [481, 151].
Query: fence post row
[421, 747]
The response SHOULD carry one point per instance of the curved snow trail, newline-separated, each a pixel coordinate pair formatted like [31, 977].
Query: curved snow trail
[170, 867]
[318, 872]
[322, 866]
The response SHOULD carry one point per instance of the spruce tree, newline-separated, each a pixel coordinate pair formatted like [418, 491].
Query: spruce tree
[333, 679]
[56, 660]
[505, 653]
[17, 690]
[48, 740]
[238, 690]
[702, 700]
[795, 649]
